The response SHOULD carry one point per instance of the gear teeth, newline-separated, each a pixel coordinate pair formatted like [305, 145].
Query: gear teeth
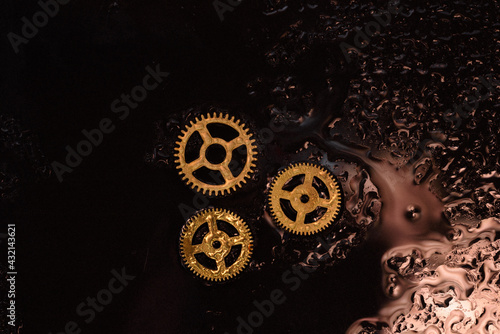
[333, 208]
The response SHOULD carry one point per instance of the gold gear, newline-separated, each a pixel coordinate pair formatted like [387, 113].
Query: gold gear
[231, 182]
[301, 191]
[217, 243]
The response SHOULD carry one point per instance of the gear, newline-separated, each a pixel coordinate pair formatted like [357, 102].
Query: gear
[227, 149]
[216, 244]
[305, 198]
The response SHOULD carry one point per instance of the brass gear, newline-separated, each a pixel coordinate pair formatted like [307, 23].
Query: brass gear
[305, 198]
[188, 169]
[216, 235]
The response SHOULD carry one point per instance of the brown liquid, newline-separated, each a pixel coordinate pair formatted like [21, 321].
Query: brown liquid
[437, 277]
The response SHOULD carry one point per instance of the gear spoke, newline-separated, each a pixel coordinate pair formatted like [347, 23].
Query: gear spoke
[212, 224]
[238, 240]
[221, 265]
[308, 179]
[200, 248]
[205, 134]
[226, 172]
[301, 217]
[288, 195]
[325, 203]
[235, 143]
[196, 164]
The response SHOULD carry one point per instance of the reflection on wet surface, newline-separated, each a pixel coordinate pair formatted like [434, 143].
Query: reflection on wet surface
[409, 125]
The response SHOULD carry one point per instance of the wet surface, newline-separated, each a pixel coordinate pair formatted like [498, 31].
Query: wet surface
[390, 121]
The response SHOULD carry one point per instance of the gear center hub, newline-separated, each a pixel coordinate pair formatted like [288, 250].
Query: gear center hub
[305, 198]
[218, 244]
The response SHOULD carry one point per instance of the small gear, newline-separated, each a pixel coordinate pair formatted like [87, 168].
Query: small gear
[305, 198]
[216, 244]
[215, 154]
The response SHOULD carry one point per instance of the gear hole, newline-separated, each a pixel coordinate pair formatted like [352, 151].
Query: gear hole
[205, 261]
[287, 209]
[238, 160]
[223, 131]
[315, 215]
[193, 145]
[227, 228]
[321, 188]
[295, 181]
[209, 176]
[200, 233]
[233, 255]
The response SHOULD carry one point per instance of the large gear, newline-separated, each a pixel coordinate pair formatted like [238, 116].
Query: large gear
[305, 198]
[213, 167]
[216, 244]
